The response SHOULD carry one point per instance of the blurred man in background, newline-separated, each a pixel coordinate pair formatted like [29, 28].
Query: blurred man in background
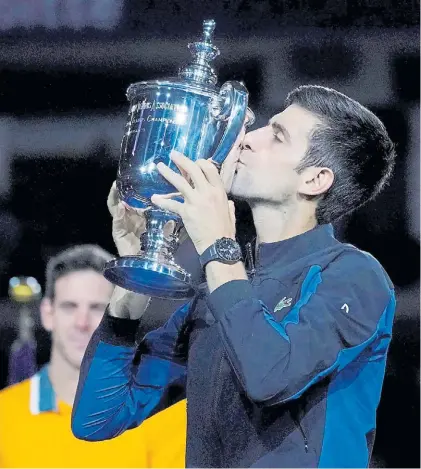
[35, 414]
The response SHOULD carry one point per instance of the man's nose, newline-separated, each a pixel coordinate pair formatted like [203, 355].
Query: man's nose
[251, 139]
[82, 320]
[246, 143]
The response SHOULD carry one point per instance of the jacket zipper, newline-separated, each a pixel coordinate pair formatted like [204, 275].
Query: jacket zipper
[250, 260]
[218, 389]
[252, 271]
[215, 400]
[304, 437]
[298, 423]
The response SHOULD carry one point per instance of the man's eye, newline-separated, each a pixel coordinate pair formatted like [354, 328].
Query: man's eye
[279, 137]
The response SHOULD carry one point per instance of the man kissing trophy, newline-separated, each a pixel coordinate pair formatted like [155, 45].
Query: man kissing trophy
[189, 114]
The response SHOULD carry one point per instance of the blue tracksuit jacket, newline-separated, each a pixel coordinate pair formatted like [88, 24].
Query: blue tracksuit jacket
[283, 370]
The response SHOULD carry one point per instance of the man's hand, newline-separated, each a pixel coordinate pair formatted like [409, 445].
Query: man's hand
[206, 212]
[128, 224]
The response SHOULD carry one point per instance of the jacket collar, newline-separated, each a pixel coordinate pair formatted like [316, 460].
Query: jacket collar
[289, 250]
[42, 396]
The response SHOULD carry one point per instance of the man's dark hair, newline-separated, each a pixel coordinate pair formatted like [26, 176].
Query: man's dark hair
[352, 142]
[76, 258]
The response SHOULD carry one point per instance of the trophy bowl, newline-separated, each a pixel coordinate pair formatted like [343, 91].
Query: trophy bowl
[190, 114]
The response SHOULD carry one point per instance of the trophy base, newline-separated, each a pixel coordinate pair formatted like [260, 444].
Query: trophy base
[151, 278]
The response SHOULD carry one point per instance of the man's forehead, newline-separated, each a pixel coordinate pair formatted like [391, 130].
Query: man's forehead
[81, 298]
[80, 276]
[296, 119]
[83, 283]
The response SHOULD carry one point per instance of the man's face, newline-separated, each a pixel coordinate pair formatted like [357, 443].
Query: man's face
[265, 170]
[75, 312]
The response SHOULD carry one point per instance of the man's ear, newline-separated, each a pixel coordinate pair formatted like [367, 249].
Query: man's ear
[316, 181]
[46, 310]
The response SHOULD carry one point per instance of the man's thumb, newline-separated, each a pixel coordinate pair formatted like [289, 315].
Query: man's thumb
[232, 211]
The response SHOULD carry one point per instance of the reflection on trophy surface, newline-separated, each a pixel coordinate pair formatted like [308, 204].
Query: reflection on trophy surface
[192, 115]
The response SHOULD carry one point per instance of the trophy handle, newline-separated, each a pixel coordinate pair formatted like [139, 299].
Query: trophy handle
[234, 96]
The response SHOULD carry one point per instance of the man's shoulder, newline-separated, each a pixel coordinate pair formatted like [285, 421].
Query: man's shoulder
[15, 391]
[15, 398]
[356, 264]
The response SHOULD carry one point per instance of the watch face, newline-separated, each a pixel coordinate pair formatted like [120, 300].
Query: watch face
[228, 250]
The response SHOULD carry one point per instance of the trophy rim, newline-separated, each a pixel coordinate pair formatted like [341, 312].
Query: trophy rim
[169, 280]
[176, 83]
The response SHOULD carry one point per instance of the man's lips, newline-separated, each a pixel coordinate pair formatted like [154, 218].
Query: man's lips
[238, 165]
[239, 159]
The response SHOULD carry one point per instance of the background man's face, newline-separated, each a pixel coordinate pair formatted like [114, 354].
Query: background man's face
[75, 312]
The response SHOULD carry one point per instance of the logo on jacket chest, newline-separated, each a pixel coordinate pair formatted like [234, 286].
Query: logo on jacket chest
[283, 303]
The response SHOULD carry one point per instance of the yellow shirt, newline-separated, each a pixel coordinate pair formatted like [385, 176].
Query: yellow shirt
[35, 432]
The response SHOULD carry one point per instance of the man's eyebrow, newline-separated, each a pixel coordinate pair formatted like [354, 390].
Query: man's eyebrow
[98, 304]
[280, 128]
[67, 302]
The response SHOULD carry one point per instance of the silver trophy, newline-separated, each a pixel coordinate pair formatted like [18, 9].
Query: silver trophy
[190, 114]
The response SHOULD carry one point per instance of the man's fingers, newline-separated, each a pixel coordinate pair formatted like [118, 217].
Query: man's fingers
[188, 169]
[211, 172]
[171, 195]
[112, 199]
[232, 211]
[178, 181]
[167, 204]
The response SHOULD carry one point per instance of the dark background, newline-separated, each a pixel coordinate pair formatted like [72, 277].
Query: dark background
[64, 69]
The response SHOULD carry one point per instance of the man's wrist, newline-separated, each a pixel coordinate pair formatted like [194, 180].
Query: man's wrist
[127, 305]
[201, 248]
[225, 250]
[218, 274]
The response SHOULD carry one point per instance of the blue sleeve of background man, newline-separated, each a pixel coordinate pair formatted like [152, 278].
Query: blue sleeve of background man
[343, 311]
[122, 382]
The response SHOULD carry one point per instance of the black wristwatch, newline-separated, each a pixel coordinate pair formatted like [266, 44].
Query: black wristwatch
[225, 250]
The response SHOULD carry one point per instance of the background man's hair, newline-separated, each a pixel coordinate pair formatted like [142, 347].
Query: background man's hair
[76, 258]
[352, 142]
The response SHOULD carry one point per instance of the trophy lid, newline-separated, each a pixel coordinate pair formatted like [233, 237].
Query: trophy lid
[200, 71]
[198, 76]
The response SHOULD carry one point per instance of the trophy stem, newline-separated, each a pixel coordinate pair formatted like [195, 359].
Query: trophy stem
[153, 271]
[160, 240]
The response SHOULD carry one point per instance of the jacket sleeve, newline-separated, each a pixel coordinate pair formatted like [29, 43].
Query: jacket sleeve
[340, 314]
[122, 382]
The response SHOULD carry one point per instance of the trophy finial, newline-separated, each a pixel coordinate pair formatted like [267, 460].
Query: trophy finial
[203, 53]
[208, 29]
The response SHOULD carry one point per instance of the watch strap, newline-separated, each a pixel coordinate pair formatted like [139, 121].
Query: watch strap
[208, 255]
